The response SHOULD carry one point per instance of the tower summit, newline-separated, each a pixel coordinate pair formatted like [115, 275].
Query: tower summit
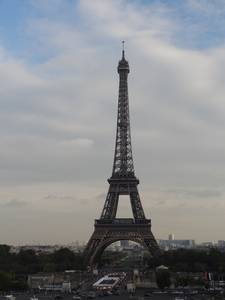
[109, 229]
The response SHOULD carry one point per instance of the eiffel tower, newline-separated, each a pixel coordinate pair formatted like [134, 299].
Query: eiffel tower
[109, 229]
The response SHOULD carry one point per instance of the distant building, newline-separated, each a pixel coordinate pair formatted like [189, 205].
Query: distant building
[221, 244]
[124, 244]
[171, 237]
[60, 281]
[114, 247]
[207, 244]
[36, 248]
[176, 244]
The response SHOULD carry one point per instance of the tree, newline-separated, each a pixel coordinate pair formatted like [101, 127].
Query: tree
[163, 279]
[27, 262]
[63, 259]
[5, 281]
[4, 250]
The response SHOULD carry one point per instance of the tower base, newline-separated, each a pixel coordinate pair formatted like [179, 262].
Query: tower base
[107, 232]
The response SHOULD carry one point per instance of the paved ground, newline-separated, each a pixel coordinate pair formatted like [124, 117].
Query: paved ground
[125, 296]
[120, 297]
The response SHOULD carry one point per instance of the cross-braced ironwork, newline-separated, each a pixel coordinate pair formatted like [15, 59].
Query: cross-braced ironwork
[123, 181]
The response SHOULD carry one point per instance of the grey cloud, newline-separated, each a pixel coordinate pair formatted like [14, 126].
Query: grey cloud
[101, 196]
[58, 118]
[58, 197]
[208, 7]
[197, 193]
[161, 202]
[205, 194]
[73, 199]
[15, 203]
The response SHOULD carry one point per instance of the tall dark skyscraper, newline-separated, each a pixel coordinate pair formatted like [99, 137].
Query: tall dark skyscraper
[108, 228]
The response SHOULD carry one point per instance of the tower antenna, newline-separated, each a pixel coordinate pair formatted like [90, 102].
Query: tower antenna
[123, 42]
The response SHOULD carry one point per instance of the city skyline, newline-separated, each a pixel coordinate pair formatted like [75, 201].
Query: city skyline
[58, 99]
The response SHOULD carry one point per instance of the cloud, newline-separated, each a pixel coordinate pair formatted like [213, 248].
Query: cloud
[100, 197]
[198, 193]
[58, 197]
[208, 7]
[58, 113]
[15, 203]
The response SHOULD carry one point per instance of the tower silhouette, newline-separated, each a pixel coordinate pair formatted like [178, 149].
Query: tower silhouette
[108, 228]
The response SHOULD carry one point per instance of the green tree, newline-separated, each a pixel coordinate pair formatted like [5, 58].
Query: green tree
[163, 279]
[27, 262]
[49, 267]
[5, 281]
[4, 250]
[63, 259]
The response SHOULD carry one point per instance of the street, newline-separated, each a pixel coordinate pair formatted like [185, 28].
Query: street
[139, 295]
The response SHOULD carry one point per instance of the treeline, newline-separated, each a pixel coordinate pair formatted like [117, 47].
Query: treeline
[28, 262]
[183, 260]
[15, 267]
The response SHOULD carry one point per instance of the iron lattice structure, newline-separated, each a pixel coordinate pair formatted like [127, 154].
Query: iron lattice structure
[123, 181]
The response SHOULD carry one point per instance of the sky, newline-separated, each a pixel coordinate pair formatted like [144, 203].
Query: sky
[58, 105]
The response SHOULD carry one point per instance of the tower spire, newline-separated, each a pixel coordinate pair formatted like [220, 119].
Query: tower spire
[123, 52]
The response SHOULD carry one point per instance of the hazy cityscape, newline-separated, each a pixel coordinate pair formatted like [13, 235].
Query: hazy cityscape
[167, 244]
[112, 149]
